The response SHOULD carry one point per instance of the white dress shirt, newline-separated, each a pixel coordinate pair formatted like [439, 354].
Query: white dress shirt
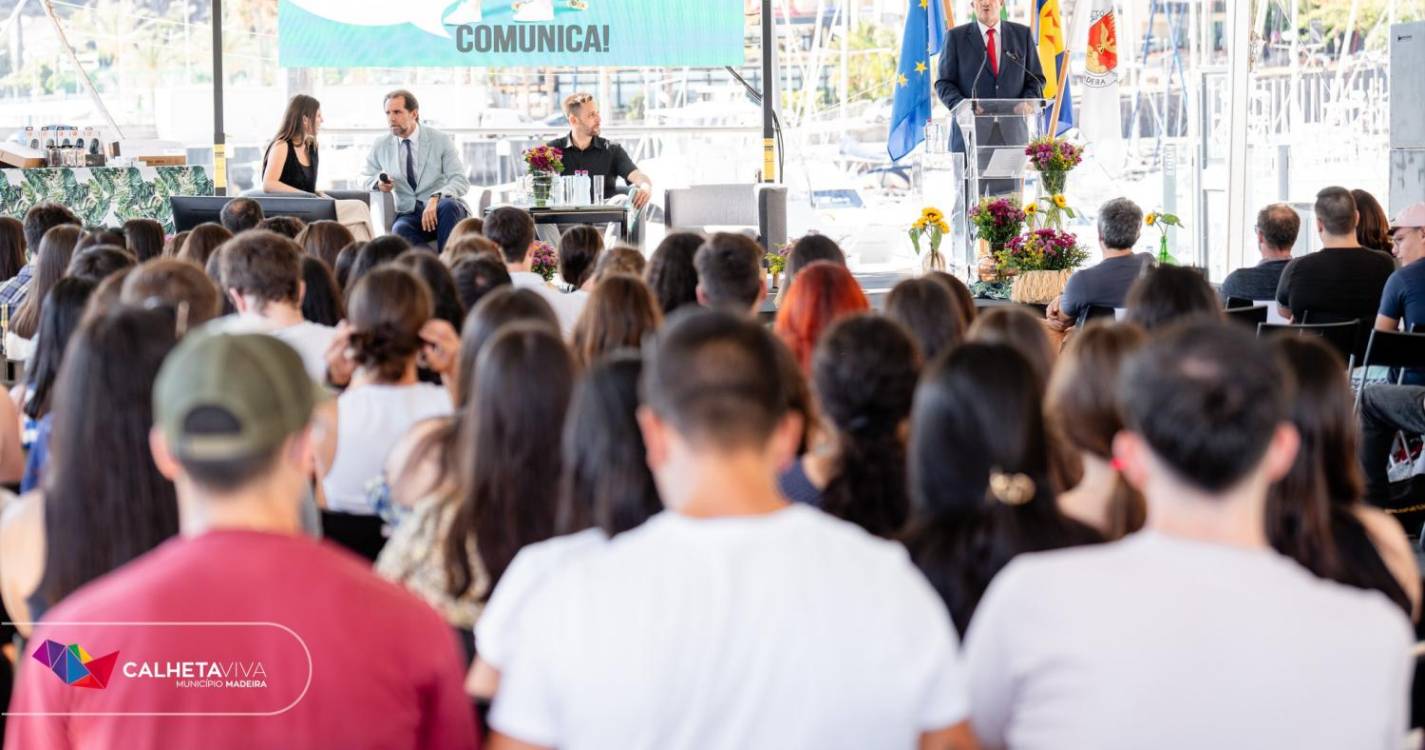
[999, 41]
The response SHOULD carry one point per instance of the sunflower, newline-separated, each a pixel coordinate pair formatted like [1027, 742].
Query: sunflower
[919, 223]
[943, 227]
[1031, 208]
[1060, 201]
[1151, 219]
[933, 214]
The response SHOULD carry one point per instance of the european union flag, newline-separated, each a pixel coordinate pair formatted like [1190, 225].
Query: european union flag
[924, 36]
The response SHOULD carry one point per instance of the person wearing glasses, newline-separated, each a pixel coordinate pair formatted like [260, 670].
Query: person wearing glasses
[421, 167]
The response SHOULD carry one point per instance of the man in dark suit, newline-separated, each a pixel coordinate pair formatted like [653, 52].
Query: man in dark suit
[969, 71]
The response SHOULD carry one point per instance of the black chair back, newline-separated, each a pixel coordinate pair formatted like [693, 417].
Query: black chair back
[1095, 311]
[1394, 349]
[1235, 302]
[1249, 315]
[1341, 336]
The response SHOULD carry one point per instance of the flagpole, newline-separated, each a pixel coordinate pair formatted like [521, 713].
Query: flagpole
[1062, 77]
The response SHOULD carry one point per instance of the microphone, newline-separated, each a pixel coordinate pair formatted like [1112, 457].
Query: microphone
[1018, 60]
[976, 86]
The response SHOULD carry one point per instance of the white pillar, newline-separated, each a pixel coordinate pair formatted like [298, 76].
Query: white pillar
[1239, 55]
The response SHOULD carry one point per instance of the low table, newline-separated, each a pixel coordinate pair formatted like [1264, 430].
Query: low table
[594, 215]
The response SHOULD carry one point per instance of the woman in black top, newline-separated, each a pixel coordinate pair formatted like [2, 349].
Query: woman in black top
[290, 165]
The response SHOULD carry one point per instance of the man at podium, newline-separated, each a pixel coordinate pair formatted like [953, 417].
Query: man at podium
[989, 59]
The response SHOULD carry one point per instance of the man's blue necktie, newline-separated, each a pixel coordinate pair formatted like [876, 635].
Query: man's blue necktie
[410, 165]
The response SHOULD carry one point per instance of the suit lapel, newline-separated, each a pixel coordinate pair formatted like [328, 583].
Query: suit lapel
[426, 148]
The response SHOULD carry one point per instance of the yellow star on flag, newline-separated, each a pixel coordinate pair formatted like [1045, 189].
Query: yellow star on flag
[924, 3]
[920, 66]
[901, 79]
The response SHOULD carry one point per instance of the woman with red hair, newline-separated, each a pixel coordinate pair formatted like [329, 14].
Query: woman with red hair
[820, 294]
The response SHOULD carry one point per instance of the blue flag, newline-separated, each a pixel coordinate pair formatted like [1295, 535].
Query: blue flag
[924, 36]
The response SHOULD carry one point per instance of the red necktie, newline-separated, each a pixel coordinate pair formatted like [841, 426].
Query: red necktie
[990, 50]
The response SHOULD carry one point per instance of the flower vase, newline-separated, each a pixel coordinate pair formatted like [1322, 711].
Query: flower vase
[1165, 258]
[541, 185]
[934, 260]
[988, 267]
[1053, 183]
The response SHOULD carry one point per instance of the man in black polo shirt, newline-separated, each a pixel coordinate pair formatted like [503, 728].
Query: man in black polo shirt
[585, 151]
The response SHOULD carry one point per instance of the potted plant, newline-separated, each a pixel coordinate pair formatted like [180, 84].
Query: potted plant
[1041, 261]
[544, 163]
[996, 222]
[775, 261]
[931, 225]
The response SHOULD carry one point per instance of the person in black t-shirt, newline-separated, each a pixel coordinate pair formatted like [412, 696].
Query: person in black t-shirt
[1342, 281]
[584, 150]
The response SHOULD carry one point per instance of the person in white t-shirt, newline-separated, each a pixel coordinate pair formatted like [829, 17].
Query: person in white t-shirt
[733, 619]
[513, 230]
[1192, 633]
[389, 326]
[262, 273]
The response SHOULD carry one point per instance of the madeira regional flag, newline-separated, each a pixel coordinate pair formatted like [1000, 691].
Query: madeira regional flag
[1101, 121]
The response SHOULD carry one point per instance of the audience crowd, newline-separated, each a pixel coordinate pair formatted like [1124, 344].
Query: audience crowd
[625, 507]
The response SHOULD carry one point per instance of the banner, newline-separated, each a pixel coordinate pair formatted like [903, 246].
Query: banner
[1101, 121]
[502, 33]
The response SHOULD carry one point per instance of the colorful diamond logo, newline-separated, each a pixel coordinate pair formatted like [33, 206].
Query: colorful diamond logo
[76, 666]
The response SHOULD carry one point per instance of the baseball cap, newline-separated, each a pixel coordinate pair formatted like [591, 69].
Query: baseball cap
[1410, 216]
[253, 384]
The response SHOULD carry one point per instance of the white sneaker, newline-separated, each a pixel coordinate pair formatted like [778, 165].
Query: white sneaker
[534, 11]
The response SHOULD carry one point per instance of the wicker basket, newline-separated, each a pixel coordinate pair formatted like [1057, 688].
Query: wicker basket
[1038, 287]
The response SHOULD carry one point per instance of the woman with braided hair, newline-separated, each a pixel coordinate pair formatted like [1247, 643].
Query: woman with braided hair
[389, 325]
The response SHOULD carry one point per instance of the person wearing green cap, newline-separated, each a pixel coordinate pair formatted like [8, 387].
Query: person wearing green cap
[234, 416]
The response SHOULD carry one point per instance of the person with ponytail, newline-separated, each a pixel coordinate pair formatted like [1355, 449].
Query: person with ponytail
[980, 485]
[389, 325]
[1315, 514]
[863, 377]
[1082, 413]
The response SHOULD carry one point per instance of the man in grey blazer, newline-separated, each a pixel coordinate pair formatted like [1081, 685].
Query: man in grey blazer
[423, 171]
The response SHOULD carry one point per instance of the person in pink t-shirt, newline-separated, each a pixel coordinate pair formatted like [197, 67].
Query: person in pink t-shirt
[240, 632]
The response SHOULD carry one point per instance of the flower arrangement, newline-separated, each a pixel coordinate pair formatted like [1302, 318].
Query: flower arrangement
[997, 220]
[1044, 249]
[543, 260]
[930, 224]
[1053, 158]
[1161, 222]
[544, 159]
[775, 261]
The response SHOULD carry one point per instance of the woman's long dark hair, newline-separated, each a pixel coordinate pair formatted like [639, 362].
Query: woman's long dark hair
[671, 273]
[63, 310]
[143, 238]
[606, 480]
[864, 373]
[301, 110]
[100, 515]
[978, 414]
[511, 463]
[927, 310]
[442, 285]
[1310, 511]
[12, 247]
[51, 263]
[321, 301]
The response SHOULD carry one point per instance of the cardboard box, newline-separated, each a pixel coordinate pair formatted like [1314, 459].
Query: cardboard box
[162, 161]
[17, 155]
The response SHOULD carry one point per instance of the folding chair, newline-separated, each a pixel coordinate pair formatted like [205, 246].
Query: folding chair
[1249, 315]
[1341, 336]
[1095, 311]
